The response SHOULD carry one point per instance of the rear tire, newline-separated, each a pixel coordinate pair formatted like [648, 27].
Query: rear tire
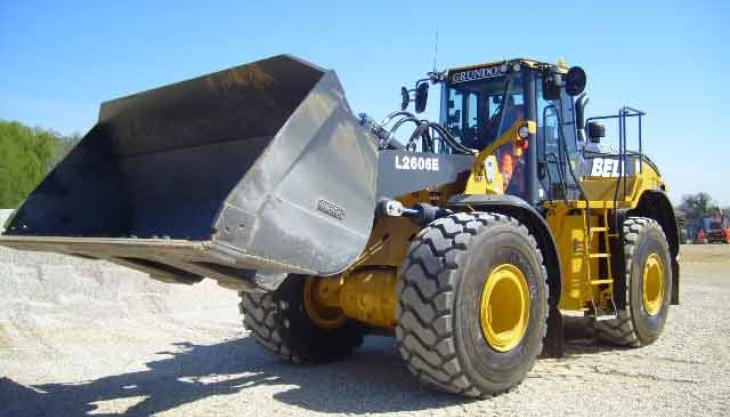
[442, 291]
[279, 322]
[643, 319]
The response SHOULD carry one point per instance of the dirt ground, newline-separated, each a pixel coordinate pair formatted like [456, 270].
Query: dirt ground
[86, 338]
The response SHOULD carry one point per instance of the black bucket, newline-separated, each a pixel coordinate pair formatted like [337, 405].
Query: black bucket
[262, 161]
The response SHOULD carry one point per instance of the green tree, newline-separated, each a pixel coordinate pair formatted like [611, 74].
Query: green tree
[697, 206]
[64, 146]
[26, 156]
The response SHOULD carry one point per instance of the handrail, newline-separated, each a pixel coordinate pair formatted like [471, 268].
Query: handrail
[624, 113]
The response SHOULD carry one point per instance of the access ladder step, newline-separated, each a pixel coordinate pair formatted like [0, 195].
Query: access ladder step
[599, 255]
[601, 281]
[601, 314]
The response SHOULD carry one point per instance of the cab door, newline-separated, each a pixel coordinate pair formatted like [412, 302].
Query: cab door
[555, 156]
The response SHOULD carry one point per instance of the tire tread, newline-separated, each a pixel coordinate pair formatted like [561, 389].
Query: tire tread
[426, 291]
[271, 316]
[620, 331]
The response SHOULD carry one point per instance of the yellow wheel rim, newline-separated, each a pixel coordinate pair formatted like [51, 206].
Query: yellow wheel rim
[653, 286]
[323, 316]
[505, 307]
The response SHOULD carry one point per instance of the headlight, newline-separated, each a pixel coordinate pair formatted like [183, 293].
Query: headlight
[523, 132]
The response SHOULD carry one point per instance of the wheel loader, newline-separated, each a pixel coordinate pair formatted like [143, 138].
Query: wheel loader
[468, 239]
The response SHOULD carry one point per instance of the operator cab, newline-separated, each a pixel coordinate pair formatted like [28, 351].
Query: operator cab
[528, 116]
[480, 104]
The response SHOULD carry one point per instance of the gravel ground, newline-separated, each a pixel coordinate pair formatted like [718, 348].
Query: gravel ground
[87, 338]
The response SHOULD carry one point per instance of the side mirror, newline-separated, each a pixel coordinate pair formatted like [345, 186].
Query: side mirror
[421, 96]
[405, 98]
[580, 110]
[596, 131]
[580, 120]
[575, 81]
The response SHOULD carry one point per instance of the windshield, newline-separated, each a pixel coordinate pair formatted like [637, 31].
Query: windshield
[478, 112]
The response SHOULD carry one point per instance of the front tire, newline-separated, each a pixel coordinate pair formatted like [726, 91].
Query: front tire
[472, 307]
[280, 322]
[648, 287]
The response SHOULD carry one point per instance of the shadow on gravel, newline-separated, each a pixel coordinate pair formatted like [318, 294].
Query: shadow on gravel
[374, 380]
[580, 341]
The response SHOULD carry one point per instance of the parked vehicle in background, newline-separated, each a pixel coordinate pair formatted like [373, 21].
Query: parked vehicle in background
[717, 227]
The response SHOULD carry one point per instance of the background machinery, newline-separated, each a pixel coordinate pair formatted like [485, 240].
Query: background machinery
[468, 239]
[717, 227]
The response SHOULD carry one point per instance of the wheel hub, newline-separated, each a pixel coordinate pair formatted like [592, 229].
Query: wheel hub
[505, 307]
[653, 285]
[326, 315]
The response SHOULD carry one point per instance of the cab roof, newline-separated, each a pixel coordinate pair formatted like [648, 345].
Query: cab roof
[561, 66]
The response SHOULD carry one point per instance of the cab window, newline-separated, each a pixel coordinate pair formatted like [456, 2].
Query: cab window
[479, 112]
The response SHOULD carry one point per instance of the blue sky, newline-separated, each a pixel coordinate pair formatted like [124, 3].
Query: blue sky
[59, 60]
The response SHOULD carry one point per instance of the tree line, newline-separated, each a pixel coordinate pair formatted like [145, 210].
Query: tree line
[27, 154]
[699, 206]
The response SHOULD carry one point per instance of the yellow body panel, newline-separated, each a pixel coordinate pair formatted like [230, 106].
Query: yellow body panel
[487, 179]
[390, 239]
[569, 235]
[584, 280]
[576, 246]
[602, 190]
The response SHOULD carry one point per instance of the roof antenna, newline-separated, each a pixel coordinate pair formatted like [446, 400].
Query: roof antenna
[436, 50]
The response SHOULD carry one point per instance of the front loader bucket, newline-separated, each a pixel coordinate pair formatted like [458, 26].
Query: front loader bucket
[261, 167]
